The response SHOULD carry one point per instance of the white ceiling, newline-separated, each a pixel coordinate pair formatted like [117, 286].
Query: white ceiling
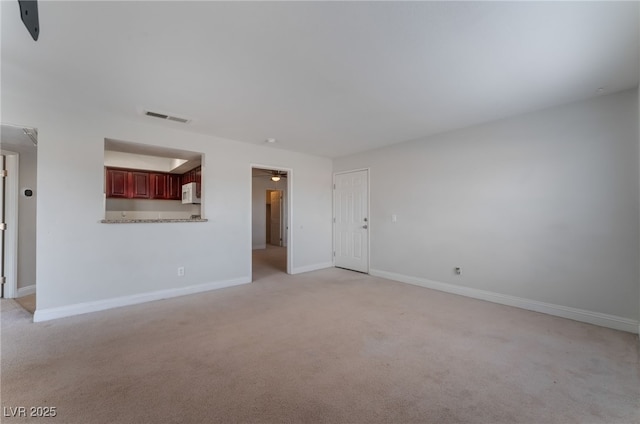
[14, 139]
[327, 78]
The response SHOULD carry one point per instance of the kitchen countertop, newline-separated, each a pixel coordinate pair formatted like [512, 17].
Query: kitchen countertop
[149, 221]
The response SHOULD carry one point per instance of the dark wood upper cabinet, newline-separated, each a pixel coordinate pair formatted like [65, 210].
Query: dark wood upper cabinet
[174, 187]
[198, 172]
[133, 184]
[158, 186]
[166, 186]
[117, 182]
[189, 176]
[140, 184]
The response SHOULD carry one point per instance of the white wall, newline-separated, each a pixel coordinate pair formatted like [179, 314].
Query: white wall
[543, 206]
[27, 219]
[259, 214]
[81, 260]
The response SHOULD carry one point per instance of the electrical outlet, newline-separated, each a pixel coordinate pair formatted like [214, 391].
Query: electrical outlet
[181, 271]
[457, 270]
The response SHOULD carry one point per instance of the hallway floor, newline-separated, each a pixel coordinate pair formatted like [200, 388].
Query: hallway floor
[28, 302]
[269, 261]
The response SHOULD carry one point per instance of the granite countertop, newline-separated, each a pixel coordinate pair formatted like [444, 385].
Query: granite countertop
[149, 221]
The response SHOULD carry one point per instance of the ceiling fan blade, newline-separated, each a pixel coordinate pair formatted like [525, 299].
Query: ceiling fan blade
[29, 16]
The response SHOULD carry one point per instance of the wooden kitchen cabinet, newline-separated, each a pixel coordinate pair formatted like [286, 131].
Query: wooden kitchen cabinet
[174, 187]
[198, 181]
[139, 185]
[129, 184]
[166, 186]
[117, 183]
[158, 186]
[189, 177]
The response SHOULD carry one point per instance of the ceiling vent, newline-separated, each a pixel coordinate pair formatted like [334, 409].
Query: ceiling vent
[167, 117]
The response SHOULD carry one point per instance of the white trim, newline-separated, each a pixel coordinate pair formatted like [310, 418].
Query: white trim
[313, 267]
[101, 305]
[582, 315]
[26, 291]
[333, 223]
[11, 218]
[290, 241]
[259, 246]
[351, 170]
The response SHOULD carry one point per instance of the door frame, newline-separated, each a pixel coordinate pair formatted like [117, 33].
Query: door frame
[333, 224]
[11, 218]
[289, 222]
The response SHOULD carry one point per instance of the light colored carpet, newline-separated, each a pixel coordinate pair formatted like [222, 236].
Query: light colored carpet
[328, 346]
[269, 262]
[28, 302]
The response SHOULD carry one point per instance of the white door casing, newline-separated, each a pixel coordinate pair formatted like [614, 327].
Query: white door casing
[351, 220]
[10, 253]
[2, 221]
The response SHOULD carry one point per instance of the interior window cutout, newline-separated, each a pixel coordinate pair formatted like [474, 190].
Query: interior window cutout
[151, 183]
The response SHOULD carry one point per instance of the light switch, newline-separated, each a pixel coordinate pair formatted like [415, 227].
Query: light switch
[394, 218]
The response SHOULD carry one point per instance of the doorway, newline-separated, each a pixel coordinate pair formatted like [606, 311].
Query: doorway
[275, 211]
[18, 146]
[270, 223]
[351, 220]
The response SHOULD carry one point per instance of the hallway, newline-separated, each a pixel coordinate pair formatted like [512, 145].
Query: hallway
[269, 261]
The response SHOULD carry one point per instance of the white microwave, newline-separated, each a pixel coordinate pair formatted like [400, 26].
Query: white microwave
[190, 193]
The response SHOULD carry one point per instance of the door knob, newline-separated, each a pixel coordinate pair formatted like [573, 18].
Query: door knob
[365, 226]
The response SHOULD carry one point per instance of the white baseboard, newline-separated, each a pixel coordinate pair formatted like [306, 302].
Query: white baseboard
[258, 246]
[101, 305]
[25, 291]
[313, 267]
[582, 315]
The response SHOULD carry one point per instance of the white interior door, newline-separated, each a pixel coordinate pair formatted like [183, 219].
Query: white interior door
[351, 220]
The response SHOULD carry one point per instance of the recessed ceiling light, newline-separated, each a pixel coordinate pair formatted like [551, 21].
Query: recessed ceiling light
[600, 90]
[270, 140]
